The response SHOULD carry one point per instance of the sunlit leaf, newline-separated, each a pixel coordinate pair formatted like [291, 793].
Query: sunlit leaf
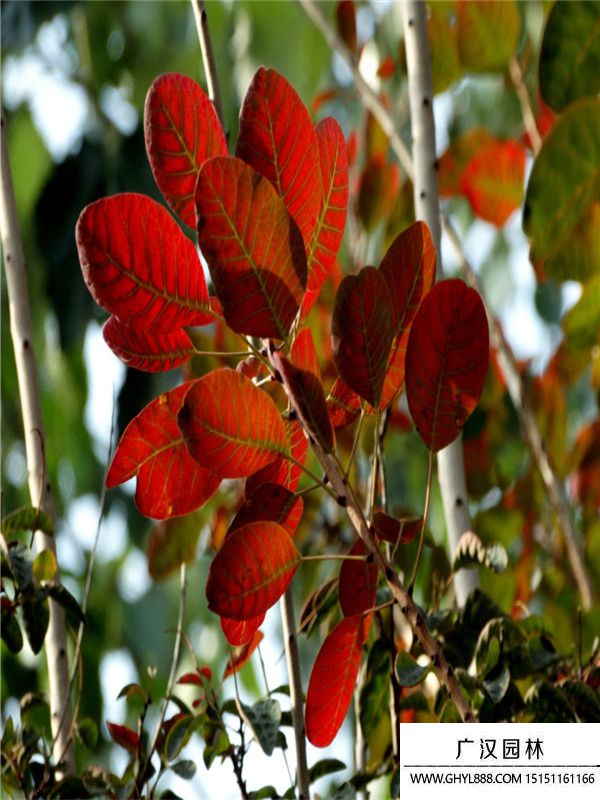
[243, 655]
[582, 324]
[169, 481]
[251, 570]
[173, 542]
[145, 350]
[230, 426]
[454, 161]
[362, 331]
[333, 679]
[139, 266]
[470, 551]
[44, 565]
[282, 470]
[578, 258]
[28, 519]
[446, 361]
[253, 247]
[493, 181]
[357, 582]
[445, 61]
[276, 137]
[303, 354]
[408, 672]
[488, 33]
[182, 131]
[343, 404]
[123, 736]
[240, 632]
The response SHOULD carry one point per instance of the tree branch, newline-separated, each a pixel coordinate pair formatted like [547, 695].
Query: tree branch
[208, 58]
[39, 486]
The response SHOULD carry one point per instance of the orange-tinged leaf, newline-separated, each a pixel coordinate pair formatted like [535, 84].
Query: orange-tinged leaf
[446, 361]
[271, 502]
[333, 679]
[308, 400]
[182, 131]
[243, 655]
[362, 332]
[379, 184]
[276, 137]
[231, 426]
[386, 68]
[251, 570]
[241, 632]
[343, 404]
[149, 352]
[253, 247]
[303, 354]
[139, 266]
[493, 181]
[394, 373]
[282, 470]
[329, 230]
[123, 736]
[454, 161]
[357, 582]
[169, 481]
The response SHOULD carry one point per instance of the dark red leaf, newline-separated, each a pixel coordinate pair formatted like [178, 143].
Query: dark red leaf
[493, 181]
[253, 248]
[362, 332]
[251, 570]
[243, 655]
[357, 583]
[182, 131]
[309, 401]
[123, 736]
[276, 137]
[394, 373]
[345, 14]
[139, 266]
[333, 679]
[282, 470]
[343, 404]
[169, 481]
[149, 352]
[396, 531]
[329, 230]
[270, 502]
[378, 190]
[303, 354]
[446, 361]
[231, 426]
[240, 632]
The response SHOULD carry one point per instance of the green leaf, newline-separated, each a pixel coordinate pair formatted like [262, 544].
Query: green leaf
[178, 736]
[133, 690]
[220, 745]
[87, 731]
[11, 632]
[19, 561]
[584, 699]
[185, 768]
[64, 597]
[408, 672]
[548, 703]
[28, 519]
[324, 767]
[569, 162]
[264, 718]
[265, 793]
[44, 565]
[569, 66]
[374, 695]
[579, 258]
[496, 683]
[488, 33]
[582, 324]
[172, 543]
[35, 619]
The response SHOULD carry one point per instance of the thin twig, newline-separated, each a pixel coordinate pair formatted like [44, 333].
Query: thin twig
[39, 486]
[413, 577]
[516, 75]
[208, 58]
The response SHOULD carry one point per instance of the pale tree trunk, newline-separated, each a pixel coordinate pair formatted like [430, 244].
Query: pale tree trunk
[39, 485]
[451, 470]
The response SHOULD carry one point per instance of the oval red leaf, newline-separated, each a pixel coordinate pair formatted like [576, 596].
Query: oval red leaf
[149, 352]
[240, 632]
[231, 426]
[182, 131]
[333, 679]
[343, 404]
[282, 470]
[357, 583]
[270, 502]
[362, 332]
[139, 266]
[253, 248]
[123, 736]
[446, 361]
[243, 655]
[329, 230]
[251, 570]
[169, 481]
[276, 137]
[493, 181]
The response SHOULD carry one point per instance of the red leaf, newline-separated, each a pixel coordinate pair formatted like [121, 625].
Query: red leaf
[378, 190]
[333, 679]
[446, 361]
[231, 426]
[387, 67]
[282, 470]
[169, 481]
[394, 373]
[309, 401]
[240, 632]
[253, 248]
[362, 331]
[454, 161]
[357, 583]
[139, 266]
[243, 656]
[493, 181]
[198, 677]
[345, 14]
[303, 354]
[396, 531]
[149, 352]
[329, 230]
[251, 570]
[123, 736]
[276, 137]
[270, 502]
[182, 131]
[343, 404]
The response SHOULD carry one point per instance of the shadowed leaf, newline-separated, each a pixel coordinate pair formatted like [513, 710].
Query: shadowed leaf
[172, 543]
[182, 131]
[145, 350]
[169, 481]
[263, 718]
[270, 502]
[357, 582]
[253, 247]
[282, 470]
[408, 672]
[28, 519]
[446, 361]
[396, 531]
